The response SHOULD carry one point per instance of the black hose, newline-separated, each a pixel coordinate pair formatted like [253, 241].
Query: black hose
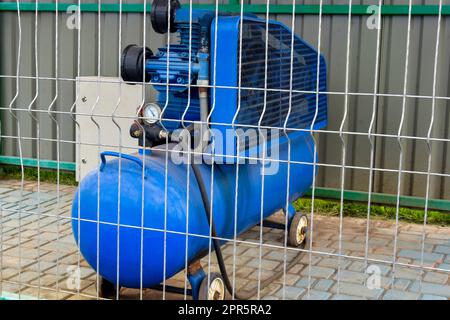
[216, 243]
[218, 249]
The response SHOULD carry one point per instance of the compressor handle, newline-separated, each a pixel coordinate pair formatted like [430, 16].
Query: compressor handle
[118, 155]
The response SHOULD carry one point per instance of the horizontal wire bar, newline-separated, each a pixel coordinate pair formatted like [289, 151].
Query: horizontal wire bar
[240, 157]
[215, 86]
[332, 9]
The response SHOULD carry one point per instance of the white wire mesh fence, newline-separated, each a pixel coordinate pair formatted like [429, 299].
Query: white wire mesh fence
[190, 156]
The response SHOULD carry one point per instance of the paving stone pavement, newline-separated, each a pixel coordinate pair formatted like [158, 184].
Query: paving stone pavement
[38, 255]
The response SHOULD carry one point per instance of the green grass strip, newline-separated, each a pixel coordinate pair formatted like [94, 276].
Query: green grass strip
[359, 210]
[321, 206]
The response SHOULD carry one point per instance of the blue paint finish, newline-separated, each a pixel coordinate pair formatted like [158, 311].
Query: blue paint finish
[153, 224]
[196, 280]
[131, 210]
[237, 109]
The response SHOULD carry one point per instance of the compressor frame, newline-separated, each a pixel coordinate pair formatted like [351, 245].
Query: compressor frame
[139, 64]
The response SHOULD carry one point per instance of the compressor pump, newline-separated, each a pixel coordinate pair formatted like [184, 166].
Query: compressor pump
[141, 218]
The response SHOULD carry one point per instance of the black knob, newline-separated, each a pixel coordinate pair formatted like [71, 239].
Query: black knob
[160, 15]
[132, 65]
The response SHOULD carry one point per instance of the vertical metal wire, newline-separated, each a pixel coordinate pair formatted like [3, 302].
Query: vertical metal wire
[263, 143]
[429, 144]
[72, 113]
[119, 129]
[58, 144]
[38, 146]
[213, 140]
[19, 144]
[97, 125]
[399, 141]
[344, 147]
[166, 163]
[188, 166]
[144, 153]
[313, 186]
[233, 126]
[288, 177]
[369, 134]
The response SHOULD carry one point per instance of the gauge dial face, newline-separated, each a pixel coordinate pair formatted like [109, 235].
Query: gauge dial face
[151, 113]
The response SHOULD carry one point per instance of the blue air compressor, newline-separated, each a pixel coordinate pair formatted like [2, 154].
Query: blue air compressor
[139, 219]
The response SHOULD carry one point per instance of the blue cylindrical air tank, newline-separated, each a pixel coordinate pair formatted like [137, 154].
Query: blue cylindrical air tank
[155, 215]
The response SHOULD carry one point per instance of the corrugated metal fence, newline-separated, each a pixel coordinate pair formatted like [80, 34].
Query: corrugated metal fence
[363, 54]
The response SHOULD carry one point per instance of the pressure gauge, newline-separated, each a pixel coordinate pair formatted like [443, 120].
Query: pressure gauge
[151, 113]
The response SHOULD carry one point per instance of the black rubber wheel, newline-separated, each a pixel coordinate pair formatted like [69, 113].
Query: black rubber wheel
[214, 290]
[132, 63]
[107, 289]
[159, 15]
[298, 230]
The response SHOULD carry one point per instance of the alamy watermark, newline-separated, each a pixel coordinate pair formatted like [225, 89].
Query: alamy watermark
[73, 19]
[374, 279]
[73, 281]
[229, 146]
[373, 21]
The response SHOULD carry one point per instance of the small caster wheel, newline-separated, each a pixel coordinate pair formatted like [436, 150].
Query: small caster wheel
[107, 289]
[298, 230]
[215, 290]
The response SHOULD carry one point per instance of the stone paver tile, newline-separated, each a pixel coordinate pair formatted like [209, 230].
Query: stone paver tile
[45, 280]
[238, 260]
[316, 295]
[351, 276]
[333, 262]
[265, 264]
[401, 284]
[270, 298]
[399, 295]
[278, 255]
[442, 249]
[445, 266]
[436, 277]
[346, 297]
[264, 274]
[433, 297]
[251, 252]
[289, 279]
[318, 272]
[296, 268]
[290, 293]
[431, 288]
[9, 272]
[24, 276]
[79, 297]
[357, 290]
[5, 190]
[407, 273]
[19, 193]
[304, 282]
[45, 294]
[324, 284]
[16, 262]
